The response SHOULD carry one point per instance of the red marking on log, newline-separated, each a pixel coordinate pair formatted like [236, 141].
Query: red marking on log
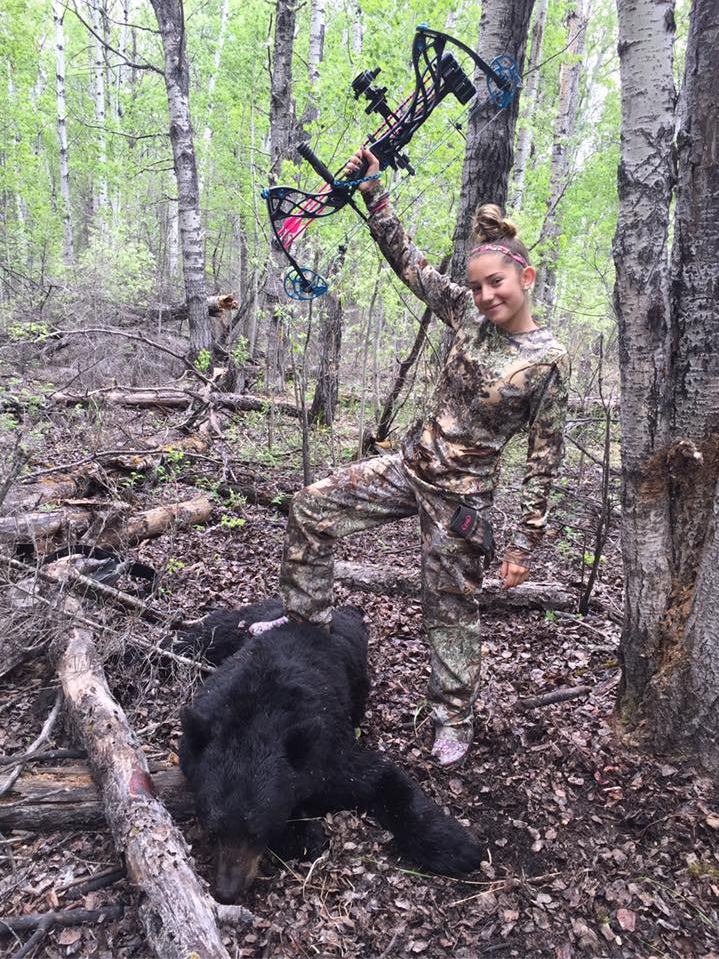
[141, 785]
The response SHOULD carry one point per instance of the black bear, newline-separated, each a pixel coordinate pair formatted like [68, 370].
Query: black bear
[270, 741]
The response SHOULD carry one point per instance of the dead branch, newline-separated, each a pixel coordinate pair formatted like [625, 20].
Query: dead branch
[45, 732]
[561, 695]
[172, 398]
[109, 331]
[62, 917]
[384, 580]
[153, 522]
[175, 911]
[65, 797]
[39, 527]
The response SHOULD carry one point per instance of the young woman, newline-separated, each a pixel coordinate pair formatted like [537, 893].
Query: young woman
[503, 374]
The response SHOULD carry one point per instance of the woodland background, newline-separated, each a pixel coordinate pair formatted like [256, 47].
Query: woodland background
[126, 423]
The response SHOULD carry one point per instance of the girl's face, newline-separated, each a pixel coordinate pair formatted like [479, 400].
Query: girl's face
[500, 290]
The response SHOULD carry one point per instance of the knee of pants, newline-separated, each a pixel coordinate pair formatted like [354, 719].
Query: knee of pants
[306, 513]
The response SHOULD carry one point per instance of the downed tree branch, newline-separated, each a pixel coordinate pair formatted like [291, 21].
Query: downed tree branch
[65, 798]
[58, 334]
[392, 580]
[60, 917]
[34, 747]
[167, 398]
[561, 695]
[37, 527]
[175, 911]
[62, 573]
[107, 528]
[154, 522]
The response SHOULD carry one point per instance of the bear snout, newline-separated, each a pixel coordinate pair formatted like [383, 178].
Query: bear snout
[236, 866]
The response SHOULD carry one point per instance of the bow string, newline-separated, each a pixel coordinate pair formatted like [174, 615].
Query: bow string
[437, 75]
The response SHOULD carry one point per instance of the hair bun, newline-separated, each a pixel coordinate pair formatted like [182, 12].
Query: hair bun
[489, 224]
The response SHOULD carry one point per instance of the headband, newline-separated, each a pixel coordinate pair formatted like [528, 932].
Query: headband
[496, 248]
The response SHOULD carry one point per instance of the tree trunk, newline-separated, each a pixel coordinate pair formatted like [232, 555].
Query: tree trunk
[314, 58]
[211, 83]
[563, 150]
[68, 245]
[488, 158]
[529, 99]
[170, 19]
[100, 185]
[283, 128]
[324, 402]
[670, 399]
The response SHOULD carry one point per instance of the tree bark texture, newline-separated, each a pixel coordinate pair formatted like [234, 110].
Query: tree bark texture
[669, 343]
[170, 19]
[175, 911]
[65, 797]
[529, 99]
[58, 11]
[563, 150]
[324, 402]
[488, 158]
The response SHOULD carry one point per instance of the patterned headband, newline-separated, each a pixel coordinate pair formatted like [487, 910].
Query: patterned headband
[496, 248]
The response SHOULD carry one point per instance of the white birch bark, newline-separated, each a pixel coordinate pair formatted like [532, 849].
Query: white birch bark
[100, 186]
[646, 176]
[170, 19]
[314, 58]
[563, 152]
[205, 162]
[58, 11]
[529, 101]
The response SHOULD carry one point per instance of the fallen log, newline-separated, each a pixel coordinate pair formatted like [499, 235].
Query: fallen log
[174, 909]
[108, 528]
[151, 523]
[38, 528]
[385, 580]
[171, 398]
[66, 797]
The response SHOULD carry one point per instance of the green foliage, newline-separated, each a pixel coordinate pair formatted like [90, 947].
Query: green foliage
[203, 361]
[30, 332]
[231, 522]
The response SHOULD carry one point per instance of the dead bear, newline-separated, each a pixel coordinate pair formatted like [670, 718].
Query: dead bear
[269, 742]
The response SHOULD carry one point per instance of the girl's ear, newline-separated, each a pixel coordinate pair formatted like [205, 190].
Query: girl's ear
[529, 275]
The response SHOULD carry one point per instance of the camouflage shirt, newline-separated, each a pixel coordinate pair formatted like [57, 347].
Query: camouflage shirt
[493, 385]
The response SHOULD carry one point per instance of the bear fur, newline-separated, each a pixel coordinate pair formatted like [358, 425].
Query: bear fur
[269, 741]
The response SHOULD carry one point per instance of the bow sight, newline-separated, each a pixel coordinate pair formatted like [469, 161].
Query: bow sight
[437, 75]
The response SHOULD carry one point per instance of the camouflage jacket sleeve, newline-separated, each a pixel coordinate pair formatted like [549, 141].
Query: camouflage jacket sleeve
[544, 454]
[448, 300]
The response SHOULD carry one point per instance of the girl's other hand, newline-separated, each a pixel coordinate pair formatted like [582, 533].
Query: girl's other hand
[512, 575]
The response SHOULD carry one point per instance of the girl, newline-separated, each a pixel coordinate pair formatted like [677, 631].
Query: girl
[502, 375]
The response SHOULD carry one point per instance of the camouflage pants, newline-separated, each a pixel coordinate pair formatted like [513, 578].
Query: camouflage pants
[366, 495]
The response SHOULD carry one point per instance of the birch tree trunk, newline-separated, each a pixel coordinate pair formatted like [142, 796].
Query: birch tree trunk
[282, 132]
[170, 19]
[314, 58]
[58, 11]
[529, 99]
[669, 341]
[563, 151]
[100, 186]
[211, 83]
[488, 158]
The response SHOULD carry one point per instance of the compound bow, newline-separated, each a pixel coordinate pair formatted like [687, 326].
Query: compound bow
[437, 74]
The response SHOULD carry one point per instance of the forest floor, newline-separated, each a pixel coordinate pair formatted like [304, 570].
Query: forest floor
[593, 849]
